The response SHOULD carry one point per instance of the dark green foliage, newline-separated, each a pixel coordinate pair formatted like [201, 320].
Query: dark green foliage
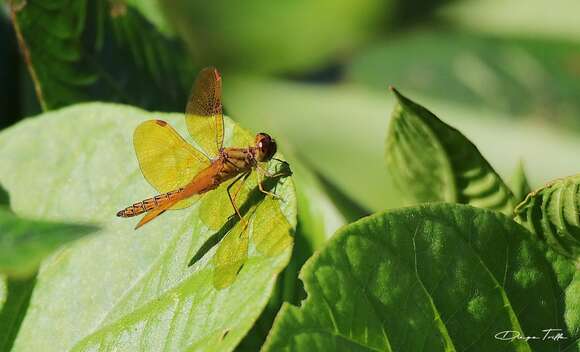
[86, 50]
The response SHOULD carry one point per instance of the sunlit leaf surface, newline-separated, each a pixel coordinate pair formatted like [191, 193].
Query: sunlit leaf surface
[130, 289]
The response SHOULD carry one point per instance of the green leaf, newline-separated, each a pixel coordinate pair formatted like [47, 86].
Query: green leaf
[433, 277]
[432, 161]
[25, 243]
[551, 213]
[67, 48]
[520, 77]
[134, 288]
[519, 183]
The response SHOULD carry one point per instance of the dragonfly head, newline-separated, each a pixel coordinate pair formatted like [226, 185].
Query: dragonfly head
[265, 147]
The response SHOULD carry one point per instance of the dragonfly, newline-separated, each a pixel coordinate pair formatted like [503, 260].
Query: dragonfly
[181, 173]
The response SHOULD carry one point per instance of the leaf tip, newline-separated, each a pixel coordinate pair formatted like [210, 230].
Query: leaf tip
[394, 90]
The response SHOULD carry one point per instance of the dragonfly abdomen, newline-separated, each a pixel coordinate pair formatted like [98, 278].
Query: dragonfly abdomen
[148, 204]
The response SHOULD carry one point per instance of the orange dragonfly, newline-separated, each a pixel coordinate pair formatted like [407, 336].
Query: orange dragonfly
[180, 172]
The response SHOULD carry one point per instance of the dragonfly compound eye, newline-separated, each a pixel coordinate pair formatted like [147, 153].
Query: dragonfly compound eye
[266, 147]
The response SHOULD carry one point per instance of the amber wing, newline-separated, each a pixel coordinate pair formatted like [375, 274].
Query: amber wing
[203, 113]
[167, 161]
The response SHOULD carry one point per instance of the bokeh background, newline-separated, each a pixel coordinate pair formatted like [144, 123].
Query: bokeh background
[315, 73]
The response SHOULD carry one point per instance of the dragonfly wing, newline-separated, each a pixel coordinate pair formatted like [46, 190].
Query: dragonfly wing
[167, 161]
[203, 113]
[271, 230]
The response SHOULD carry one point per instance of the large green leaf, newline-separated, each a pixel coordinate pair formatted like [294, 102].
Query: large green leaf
[24, 243]
[520, 77]
[430, 278]
[551, 213]
[432, 161]
[134, 289]
[68, 45]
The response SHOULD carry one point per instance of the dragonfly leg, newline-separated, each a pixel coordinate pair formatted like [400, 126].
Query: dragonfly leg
[260, 173]
[245, 177]
[233, 199]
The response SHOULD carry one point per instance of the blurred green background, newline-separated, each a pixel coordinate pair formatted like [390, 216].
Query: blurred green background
[314, 73]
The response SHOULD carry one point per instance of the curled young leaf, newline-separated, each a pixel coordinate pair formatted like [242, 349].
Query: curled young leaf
[551, 213]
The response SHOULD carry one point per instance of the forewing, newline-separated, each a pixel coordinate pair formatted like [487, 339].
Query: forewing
[167, 161]
[203, 113]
